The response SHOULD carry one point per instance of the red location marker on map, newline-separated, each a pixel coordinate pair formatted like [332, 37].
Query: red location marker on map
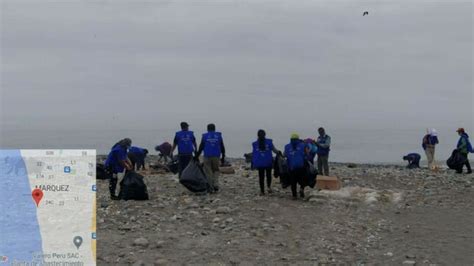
[37, 195]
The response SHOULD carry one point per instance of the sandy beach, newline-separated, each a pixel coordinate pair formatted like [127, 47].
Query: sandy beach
[383, 215]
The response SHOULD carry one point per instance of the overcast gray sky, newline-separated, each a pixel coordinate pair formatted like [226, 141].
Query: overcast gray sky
[86, 73]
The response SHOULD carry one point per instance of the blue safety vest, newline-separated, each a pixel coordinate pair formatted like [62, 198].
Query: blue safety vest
[185, 141]
[117, 154]
[295, 156]
[136, 150]
[262, 158]
[323, 140]
[212, 144]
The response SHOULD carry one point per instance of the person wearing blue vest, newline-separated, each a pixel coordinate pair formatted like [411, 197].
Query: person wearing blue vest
[312, 149]
[323, 143]
[186, 143]
[137, 157]
[413, 160]
[213, 146]
[295, 152]
[464, 147]
[116, 163]
[262, 159]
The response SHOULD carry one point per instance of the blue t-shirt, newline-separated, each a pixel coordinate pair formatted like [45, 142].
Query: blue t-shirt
[117, 154]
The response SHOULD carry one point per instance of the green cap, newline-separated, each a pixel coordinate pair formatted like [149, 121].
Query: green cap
[295, 136]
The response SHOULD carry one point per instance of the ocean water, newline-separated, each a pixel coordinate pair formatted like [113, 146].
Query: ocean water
[348, 145]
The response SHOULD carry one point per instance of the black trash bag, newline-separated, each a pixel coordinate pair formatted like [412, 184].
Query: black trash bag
[281, 170]
[248, 157]
[276, 167]
[194, 178]
[456, 160]
[311, 174]
[173, 166]
[102, 172]
[132, 187]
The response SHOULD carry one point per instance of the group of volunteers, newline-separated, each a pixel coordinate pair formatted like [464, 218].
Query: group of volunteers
[298, 154]
[429, 142]
[125, 157]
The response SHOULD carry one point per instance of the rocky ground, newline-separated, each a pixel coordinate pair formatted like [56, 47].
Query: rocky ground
[383, 215]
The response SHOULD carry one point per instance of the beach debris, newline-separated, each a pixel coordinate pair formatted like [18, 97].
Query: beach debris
[141, 241]
[366, 195]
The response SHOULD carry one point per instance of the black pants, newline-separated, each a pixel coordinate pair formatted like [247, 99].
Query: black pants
[113, 183]
[297, 176]
[138, 161]
[183, 161]
[261, 177]
[467, 164]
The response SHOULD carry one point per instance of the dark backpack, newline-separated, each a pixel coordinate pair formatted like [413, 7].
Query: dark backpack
[132, 187]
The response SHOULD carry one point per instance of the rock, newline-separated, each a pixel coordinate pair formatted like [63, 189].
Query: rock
[159, 244]
[194, 206]
[410, 256]
[317, 200]
[227, 170]
[229, 220]
[319, 195]
[351, 165]
[160, 262]
[141, 241]
[338, 251]
[176, 217]
[139, 263]
[234, 261]
[223, 210]
[125, 227]
[389, 254]
[216, 220]
[409, 262]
